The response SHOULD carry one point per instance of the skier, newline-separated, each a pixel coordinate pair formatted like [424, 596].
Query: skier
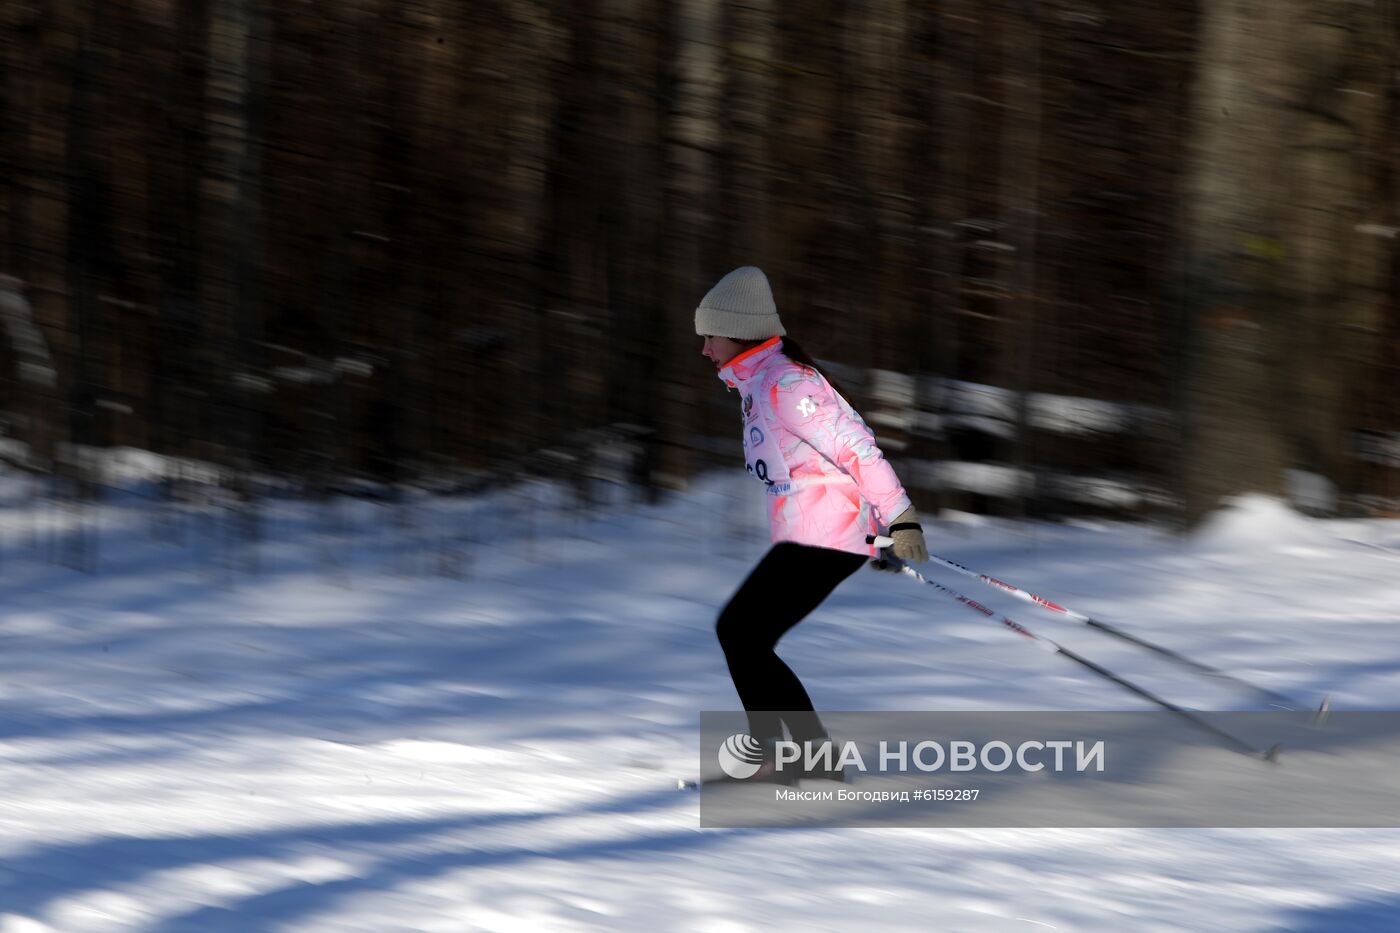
[828, 487]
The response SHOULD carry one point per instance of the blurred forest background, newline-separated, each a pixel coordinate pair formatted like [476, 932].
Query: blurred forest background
[1067, 256]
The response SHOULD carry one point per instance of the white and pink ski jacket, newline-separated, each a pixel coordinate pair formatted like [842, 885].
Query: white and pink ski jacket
[828, 483]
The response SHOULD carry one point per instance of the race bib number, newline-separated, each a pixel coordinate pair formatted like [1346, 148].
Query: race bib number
[762, 456]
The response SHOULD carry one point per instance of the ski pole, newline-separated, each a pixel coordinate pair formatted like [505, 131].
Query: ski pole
[1233, 741]
[1275, 698]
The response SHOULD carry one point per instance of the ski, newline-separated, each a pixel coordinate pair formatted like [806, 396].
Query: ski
[683, 784]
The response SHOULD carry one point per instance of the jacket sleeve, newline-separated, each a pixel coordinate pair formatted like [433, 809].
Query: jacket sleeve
[807, 406]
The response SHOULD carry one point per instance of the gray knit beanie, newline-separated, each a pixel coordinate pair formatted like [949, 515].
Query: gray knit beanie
[739, 307]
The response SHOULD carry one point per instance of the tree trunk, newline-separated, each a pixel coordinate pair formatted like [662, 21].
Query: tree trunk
[1279, 277]
[226, 265]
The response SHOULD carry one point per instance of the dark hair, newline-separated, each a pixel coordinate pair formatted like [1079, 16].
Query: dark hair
[793, 351]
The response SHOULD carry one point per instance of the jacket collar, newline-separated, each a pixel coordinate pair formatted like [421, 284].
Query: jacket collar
[743, 367]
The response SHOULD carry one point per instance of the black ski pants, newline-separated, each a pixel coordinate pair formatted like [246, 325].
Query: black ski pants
[789, 582]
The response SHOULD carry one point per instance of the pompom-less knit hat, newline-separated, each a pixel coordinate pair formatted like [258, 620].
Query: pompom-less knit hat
[739, 307]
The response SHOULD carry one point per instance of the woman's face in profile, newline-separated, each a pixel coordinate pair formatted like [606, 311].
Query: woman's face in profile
[721, 350]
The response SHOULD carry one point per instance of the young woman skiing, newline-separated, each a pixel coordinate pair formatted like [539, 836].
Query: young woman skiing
[828, 486]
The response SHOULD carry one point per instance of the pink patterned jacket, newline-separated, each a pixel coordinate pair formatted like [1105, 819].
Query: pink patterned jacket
[828, 483]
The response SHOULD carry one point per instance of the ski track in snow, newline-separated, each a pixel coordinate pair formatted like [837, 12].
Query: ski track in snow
[342, 740]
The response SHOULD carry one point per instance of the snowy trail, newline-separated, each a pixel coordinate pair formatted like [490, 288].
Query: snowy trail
[185, 750]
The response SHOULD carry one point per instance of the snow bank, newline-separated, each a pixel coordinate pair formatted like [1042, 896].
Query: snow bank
[1253, 523]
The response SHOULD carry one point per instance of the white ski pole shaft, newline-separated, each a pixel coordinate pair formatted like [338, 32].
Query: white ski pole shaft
[1273, 697]
[1236, 743]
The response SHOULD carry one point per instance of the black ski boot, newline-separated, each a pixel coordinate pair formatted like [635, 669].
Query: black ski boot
[823, 767]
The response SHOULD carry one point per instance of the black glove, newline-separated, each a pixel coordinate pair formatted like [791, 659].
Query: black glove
[886, 562]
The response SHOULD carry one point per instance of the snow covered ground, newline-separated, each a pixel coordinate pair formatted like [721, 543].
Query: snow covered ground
[343, 739]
